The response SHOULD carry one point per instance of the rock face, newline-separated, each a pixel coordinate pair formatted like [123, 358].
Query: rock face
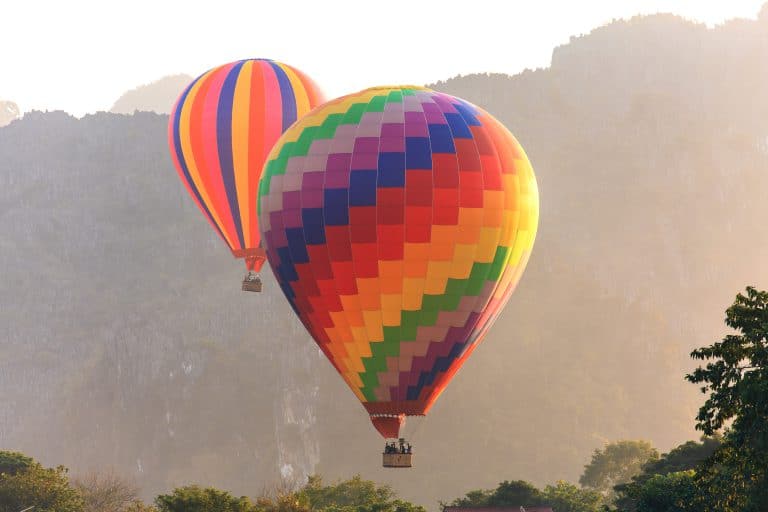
[158, 96]
[125, 341]
[9, 111]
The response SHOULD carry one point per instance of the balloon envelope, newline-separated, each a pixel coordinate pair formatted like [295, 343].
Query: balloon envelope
[220, 132]
[398, 221]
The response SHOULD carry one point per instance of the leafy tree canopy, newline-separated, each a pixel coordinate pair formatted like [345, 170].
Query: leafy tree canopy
[507, 494]
[47, 489]
[193, 498]
[671, 492]
[354, 494]
[686, 457]
[735, 378]
[566, 497]
[562, 497]
[13, 462]
[615, 464]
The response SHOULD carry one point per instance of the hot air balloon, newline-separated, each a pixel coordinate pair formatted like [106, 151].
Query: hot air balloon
[220, 132]
[398, 221]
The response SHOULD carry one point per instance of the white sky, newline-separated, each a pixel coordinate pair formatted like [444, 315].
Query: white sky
[81, 55]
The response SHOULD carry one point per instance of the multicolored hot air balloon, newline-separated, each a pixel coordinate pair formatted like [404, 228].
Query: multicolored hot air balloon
[220, 132]
[398, 221]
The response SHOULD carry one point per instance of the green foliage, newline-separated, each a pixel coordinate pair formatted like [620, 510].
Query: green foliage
[672, 492]
[736, 377]
[283, 502]
[562, 497]
[138, 506]
[194, 498]
[353, 495]
[476, 498]
[683, 458]
[507, 494]
[353, 492]
[13, 462]
[615, 464]
[686, 457]
[566, 497]
[47, 489]
[517, 492]
[735, 478]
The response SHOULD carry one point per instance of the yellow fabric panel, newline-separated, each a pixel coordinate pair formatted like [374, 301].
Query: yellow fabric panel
[391, 317]
[464, 252]
[354, 361]
[435, 285]
[460, 269]
[511, 183]
[240, 147]
[509, 228]
[413, 290]
[489, 242]
[374, 325]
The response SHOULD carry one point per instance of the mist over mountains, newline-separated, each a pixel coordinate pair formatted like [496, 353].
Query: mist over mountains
[157, 96]
[125, 341]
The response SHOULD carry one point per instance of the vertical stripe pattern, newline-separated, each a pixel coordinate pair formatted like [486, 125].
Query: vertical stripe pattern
[222, 129]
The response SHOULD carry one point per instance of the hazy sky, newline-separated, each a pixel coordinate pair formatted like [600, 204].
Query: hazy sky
[81, 55]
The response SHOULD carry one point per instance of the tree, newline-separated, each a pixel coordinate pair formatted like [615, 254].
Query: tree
[685, 457]
[672, 492]
[47, 489]
[507, 494]
[106, 492]
[138, 506]
[566, 497]
[13, 462]
[194, 498]
[517, 492]
[736, 381]
[615, 464]
[282, 502]
[353, 495]
[476, 498]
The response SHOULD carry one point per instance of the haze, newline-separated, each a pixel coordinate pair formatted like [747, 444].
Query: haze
[126, 343]
[79, 56]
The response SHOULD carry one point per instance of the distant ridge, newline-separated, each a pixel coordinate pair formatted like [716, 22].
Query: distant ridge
[157, 96]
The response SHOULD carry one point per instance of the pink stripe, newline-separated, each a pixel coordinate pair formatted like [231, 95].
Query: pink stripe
[212, 169]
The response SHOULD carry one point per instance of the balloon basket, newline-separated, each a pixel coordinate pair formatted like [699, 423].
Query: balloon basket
[252, 283]
[395, 456]
[397, 460]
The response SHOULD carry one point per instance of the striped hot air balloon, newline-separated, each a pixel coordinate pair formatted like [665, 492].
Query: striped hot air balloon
[398, 221]
[220, 132]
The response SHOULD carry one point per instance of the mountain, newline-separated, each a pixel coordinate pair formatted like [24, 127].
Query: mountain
[158, 96]
[125, 341]
[9, 111]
